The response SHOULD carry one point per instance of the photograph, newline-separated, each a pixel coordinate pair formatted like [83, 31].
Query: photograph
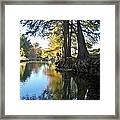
[59, 59]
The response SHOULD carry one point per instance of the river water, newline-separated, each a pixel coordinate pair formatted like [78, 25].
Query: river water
[40, 81]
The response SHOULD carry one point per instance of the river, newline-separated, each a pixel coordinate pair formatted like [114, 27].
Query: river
[40, 81]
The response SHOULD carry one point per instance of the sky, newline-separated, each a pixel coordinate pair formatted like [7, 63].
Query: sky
[43, 43]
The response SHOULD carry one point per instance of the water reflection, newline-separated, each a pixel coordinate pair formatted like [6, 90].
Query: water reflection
[40, 81]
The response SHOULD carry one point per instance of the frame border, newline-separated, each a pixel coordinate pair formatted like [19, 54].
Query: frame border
[62, 2]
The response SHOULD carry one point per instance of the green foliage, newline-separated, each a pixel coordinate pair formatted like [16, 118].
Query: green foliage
[35, 44]
[89, 45]
[38, 52]
[53, 30]
[95, 51]
[91, 29]
[22, 53]
[25, 46]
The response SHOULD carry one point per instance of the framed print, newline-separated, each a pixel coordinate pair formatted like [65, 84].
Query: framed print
[59, 59]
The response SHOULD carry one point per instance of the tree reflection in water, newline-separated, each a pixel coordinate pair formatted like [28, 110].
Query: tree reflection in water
[61, 86]
[28, 68]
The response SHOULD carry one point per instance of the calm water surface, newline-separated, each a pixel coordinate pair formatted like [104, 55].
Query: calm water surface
[40, 81]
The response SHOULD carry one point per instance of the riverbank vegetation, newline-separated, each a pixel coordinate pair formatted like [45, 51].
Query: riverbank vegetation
[71, 43]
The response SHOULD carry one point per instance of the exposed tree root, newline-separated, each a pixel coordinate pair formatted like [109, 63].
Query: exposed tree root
[89, 65]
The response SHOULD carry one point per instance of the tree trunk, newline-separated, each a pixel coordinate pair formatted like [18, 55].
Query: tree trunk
[69, 39]
[65, 38]
[82, 50]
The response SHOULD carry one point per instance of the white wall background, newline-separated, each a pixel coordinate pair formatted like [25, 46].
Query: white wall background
[0, 41]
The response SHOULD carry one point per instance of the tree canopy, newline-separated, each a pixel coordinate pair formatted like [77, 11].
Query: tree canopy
[63, 33]
[44, 28]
